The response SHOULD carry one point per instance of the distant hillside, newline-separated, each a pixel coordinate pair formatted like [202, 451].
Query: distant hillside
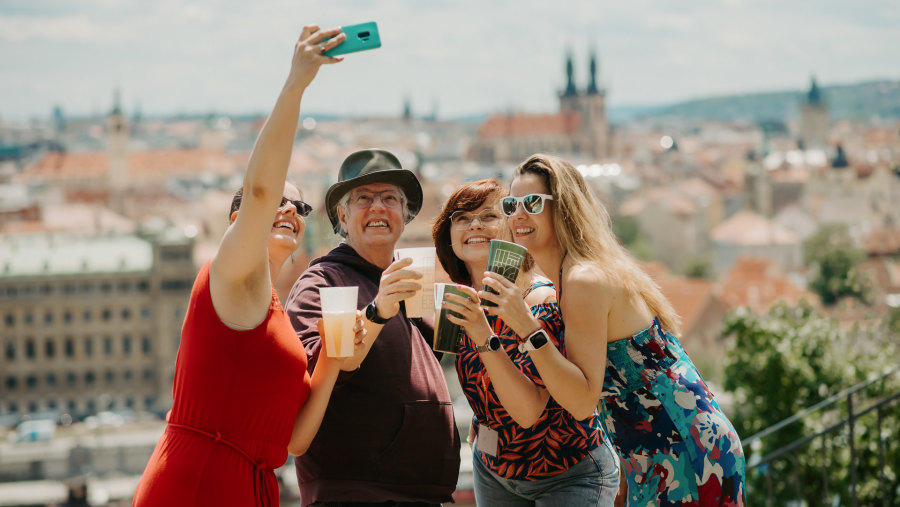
[852, 102]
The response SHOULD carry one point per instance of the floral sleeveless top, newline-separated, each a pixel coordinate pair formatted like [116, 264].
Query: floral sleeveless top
[557, 440]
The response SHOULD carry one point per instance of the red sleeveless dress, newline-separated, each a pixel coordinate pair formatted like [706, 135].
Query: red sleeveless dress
[236, 396]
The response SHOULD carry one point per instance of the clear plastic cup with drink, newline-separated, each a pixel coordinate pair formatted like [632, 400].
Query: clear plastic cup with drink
[424, 259]
[339, 317]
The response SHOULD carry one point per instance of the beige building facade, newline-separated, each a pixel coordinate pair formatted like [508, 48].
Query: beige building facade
[91, 323]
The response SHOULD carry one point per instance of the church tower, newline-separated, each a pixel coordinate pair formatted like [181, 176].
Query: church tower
[117, 155]
[595, 128]
[814, 120]
[568, 98]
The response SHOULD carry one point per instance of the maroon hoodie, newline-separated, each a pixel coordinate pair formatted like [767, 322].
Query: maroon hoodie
[388, 433]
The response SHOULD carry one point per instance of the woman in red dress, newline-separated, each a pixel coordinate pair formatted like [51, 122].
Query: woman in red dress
[238, 404]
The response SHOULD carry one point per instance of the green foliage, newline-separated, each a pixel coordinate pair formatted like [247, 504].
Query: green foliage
[698, 267]
[628, 230]
[790, 359]
[831, 252]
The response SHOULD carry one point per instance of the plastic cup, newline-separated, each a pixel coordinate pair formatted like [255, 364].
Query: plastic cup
[504, 258]
[339, 316]
[424, 258]
[447, 335]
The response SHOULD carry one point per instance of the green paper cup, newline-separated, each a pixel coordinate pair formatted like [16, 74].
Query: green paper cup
[504, 258]
[447, 335]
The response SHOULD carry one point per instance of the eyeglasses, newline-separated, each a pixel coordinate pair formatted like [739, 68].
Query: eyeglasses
[302, 208]
[463, 219]
[533, 203]
[390, 198]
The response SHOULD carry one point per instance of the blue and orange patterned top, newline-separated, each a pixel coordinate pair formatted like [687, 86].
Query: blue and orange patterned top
[557, 440]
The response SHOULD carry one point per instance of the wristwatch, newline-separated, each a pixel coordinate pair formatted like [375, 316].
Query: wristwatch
[493, 344]
[534, 341]
[372, 314]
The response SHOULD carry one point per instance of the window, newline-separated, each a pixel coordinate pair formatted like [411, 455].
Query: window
[13, 408]
[48, 318]
[50, 379]
[146, 346]
[88, 346]
[72, 405]
[87, 316]
[31, 381]
[110, 377]
[126, 345]
[29, 348]
[69, 347]
[71, 379]
[106, 288]
[148, 375]
[90, 378]
[146, 313]
[91, 406]
[10, 320]
[128, 375]
[11, 383]
[32, 406]
[124, 287]
[143, 286]
[29, 318]
[49, 348]
[67, 317]
[51, 405]
[10, 349]
[129, 402]
[107, 314]
[107, 346]
[126, 313]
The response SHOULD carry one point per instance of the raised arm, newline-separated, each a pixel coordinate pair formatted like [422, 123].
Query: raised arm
[576, 380]
[524, 400]
[239, 271]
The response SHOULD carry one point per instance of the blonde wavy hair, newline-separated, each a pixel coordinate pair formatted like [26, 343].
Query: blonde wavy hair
[583, 228]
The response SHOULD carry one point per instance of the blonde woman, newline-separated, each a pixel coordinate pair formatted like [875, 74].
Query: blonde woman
[677, 446]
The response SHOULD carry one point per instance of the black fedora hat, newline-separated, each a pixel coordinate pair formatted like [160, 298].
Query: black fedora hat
[373, 166]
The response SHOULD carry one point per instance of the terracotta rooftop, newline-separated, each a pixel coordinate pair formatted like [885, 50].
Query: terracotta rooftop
[757, 284]
[162, 163]
[520, 124]
[883, 242]
[746, 228]
[689, 296]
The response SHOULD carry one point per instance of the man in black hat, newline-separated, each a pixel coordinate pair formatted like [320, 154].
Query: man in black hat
[388, 436]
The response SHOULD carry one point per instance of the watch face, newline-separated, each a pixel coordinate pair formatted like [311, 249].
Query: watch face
[539, 339]
[494, 343]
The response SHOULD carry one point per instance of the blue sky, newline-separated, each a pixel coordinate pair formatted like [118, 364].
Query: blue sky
[465, 56]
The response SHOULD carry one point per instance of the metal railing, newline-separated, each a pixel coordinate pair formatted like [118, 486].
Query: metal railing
[836, 425]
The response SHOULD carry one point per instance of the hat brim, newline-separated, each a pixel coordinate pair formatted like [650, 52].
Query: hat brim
[403, 178]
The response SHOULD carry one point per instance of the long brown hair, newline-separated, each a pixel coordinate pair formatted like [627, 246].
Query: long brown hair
[583, 228]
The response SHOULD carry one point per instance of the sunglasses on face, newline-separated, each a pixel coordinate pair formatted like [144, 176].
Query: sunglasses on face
[302, 208]
[533, 203]
[488, 217]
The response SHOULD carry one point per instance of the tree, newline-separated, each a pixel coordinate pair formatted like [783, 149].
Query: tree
[790, 359]
[834, 257]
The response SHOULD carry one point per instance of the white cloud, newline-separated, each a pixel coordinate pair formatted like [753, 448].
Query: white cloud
[76, 28]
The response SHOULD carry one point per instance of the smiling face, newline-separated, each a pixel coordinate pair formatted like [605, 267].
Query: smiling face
[534, 232]
[373, 218]
[288, 227]
[471, 233]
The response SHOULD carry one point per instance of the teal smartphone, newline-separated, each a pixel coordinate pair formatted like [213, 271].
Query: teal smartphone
[359, 38]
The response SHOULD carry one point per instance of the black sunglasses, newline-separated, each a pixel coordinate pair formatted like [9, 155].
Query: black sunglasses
[533, 203]
[302, 208]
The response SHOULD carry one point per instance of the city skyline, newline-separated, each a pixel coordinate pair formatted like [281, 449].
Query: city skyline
[453, 59]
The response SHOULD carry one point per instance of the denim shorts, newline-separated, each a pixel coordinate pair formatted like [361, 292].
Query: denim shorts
[593, 481]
